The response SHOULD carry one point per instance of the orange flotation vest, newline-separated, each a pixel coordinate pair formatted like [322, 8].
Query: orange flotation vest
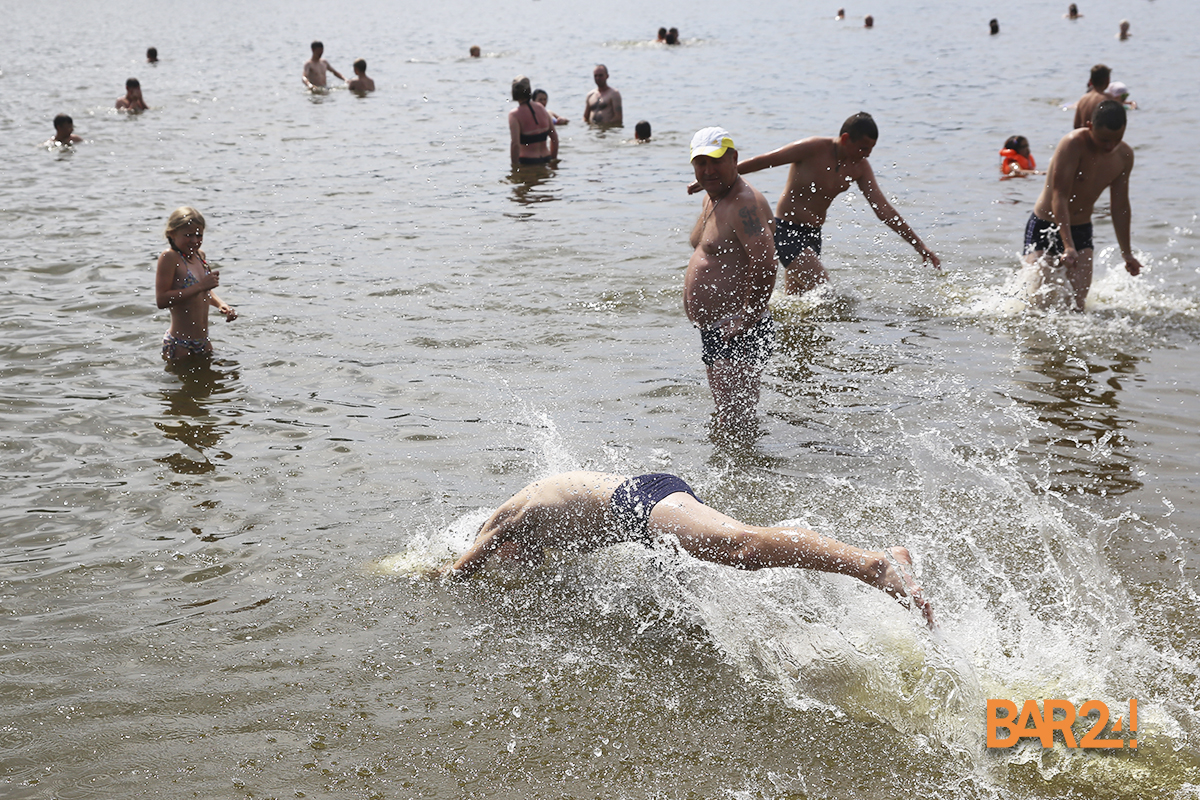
[1014, 159]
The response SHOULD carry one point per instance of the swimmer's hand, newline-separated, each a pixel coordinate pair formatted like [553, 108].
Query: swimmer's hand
[1070, 258]
[693, 187]
[930, 256]
[229, 311]
[1132, 265]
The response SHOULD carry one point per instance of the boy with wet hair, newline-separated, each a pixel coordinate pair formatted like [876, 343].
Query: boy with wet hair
[1058, 235]
[360, 82]
[133, 101]
[64, 131]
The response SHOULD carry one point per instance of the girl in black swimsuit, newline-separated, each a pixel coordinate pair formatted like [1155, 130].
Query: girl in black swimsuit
[534, 140]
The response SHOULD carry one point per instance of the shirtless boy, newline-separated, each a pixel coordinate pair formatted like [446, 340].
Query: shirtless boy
[729, 279]
[584, 511]
[132, 101]
[603, 104]
[1086, 162]
[314, 76]
[822, 168]
[64, 131]
[360, 82]
[1097, 83]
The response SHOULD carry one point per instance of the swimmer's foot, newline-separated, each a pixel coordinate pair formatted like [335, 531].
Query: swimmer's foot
[898, 581]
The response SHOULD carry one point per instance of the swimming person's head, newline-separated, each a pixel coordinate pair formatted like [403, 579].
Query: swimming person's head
[540, 96]
[641, 131]
[360, 66]
[1099, 77]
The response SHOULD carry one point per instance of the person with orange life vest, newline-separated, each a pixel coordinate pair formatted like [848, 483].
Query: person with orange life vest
[1016, 158]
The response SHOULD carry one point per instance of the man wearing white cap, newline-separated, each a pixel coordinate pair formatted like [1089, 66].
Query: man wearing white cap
[729, 279]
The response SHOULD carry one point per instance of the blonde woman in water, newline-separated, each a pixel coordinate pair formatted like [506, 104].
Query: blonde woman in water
[184, 283]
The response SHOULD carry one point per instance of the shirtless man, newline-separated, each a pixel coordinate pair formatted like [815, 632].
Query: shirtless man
[729, 279]
[315, 68]
[132, 101]
[584, 511]
[1097, 83]
[821, 169]
[1086, 162]
[603, 104]
[360, 82]
[64, 131]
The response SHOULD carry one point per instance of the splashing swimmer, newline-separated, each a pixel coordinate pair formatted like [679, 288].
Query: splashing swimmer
[185, 284]
[585, 511]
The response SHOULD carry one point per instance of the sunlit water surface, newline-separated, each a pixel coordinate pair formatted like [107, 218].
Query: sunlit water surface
[207, 582]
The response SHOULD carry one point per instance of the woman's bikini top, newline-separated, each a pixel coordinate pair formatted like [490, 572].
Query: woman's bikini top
[189, 279]
[534, 138]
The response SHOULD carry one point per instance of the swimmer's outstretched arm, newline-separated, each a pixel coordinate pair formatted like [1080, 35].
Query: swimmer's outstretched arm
[890, 216]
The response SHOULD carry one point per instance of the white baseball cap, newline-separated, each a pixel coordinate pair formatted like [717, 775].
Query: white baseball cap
[711, 142]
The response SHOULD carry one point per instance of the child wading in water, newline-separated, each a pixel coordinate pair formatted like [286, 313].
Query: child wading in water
[184, 284]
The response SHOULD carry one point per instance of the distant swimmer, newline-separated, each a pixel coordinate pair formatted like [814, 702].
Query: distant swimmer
[540, 96]
[868, 21]
[151, 55]
[533, 139]
[729, 280]
[821, 169]
[1072, 12]
[1124, 33]
[64, 131]
[641, 131]
[475, 51]
[840, 15]
[994, 26]
[662, 36]
[673, 36]
[132, 101]
[603, 104]
[1015, 159]
[1097, 83]
[315, 69]
[1058, 235]
[360, 82]
[585, 511]
[184, 283]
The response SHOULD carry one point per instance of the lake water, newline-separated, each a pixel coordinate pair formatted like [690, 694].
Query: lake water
[207, 582]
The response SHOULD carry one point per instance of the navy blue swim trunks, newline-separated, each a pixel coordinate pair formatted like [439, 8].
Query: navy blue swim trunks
[793, 238]
[754, 345]
[1042, 235]
[636, 497]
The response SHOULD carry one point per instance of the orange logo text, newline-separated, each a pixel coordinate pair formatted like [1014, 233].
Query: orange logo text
[1005, 726]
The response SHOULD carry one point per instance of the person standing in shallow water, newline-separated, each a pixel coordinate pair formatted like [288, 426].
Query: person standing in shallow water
[729, 280]
[603, 104]
[1058, 235]
[532, 137]
[184, 284]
